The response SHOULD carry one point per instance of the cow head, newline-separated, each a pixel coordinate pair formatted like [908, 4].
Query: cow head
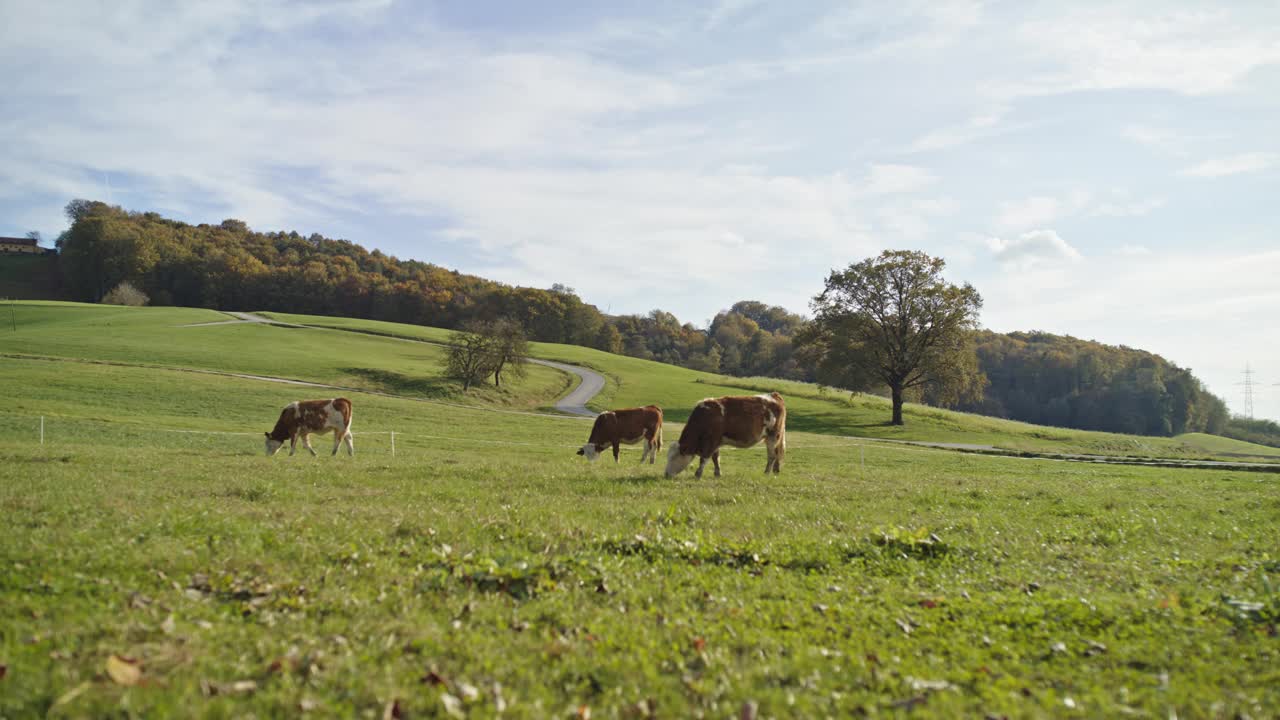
[590, 451]
[273, 446]
[676, 461]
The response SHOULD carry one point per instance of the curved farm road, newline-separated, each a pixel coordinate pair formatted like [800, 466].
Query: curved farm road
[575, 403]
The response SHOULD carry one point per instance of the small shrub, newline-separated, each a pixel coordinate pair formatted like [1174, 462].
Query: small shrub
[125, 294]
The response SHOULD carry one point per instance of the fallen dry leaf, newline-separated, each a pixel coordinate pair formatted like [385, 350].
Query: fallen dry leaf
[124, 671]
[392, 711]
[584, 712]
[452, 705]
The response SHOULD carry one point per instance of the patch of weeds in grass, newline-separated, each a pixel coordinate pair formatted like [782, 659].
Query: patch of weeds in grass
[521, 577]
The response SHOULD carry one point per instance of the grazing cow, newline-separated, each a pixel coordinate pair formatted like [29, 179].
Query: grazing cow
[740, 421]
[629, 426]
[304, 417]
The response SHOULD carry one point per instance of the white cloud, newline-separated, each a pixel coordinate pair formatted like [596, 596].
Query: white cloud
[906, 26]
[1133, 250]
[1194, 52]
[1037, 248]
[725, 11]
[1033, 211]
[1041, 210]
[892, 179]
[1232, 165]
[978, 127]
[1122, 207]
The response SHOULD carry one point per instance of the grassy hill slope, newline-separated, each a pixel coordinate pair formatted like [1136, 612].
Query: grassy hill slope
[173, 337]
[632, 381]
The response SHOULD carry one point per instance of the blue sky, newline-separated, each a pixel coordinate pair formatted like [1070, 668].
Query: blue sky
[1108, 170]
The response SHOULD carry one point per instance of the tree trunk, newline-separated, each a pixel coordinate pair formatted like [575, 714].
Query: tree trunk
[897, 404]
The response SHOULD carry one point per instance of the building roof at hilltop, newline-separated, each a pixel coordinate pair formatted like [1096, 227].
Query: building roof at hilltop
[18, 241]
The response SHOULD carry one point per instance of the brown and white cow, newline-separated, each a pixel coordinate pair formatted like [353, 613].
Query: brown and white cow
[304, 417]
[629, 426]
[737, 420]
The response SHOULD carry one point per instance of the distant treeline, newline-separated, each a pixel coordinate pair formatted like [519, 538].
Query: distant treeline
[228, 266]
[1036, 377]
[1063, 381]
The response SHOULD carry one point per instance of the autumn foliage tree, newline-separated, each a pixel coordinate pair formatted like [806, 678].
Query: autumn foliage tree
[894, 321]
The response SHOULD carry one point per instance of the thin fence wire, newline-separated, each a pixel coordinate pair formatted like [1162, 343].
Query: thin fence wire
[81, 429]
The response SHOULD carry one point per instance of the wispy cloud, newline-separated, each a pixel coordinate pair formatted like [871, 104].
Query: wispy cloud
[1029, 212]
[1195, 52]
[985, 125]
[1232, 165]
[888, 179]
[1033, 249]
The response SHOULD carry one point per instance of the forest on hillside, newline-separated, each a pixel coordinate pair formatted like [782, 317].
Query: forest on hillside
[1035, 377]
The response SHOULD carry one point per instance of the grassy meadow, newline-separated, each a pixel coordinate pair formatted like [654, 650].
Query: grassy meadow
[631, 382]
[157, 564]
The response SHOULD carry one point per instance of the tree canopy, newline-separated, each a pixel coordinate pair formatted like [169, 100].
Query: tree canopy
[893, 320]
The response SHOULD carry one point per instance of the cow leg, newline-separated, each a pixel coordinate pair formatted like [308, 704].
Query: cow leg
[715, 459]
[306, 443]
[351, 444]
[702, 462]
[615, 452]
[293, 444]
[337, 442]
[779, 449]
[771, 453]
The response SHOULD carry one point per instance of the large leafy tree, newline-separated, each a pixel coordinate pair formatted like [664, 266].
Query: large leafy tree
[894, 321]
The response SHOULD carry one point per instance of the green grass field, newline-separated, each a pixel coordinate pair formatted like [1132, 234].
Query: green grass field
[486, 570]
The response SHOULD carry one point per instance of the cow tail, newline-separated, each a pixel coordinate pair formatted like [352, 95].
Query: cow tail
[344, 407]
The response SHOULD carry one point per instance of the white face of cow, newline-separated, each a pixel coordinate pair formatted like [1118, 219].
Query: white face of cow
[589, 452]
[273, 446]
[676, 463]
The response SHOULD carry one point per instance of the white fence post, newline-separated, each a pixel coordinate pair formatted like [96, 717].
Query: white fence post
[393, 443]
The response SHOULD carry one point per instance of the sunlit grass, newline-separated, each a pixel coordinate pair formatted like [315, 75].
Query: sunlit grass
[485, 569]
